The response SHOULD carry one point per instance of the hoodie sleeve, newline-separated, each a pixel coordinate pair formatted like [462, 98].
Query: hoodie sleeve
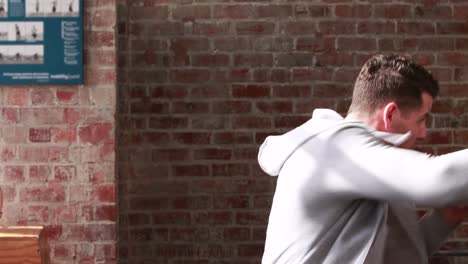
[434, 230]
[366, 167]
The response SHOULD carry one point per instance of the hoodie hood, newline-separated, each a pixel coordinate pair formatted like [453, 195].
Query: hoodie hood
[276, 150]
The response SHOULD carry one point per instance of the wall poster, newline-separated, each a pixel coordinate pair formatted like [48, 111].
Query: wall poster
[41, 42]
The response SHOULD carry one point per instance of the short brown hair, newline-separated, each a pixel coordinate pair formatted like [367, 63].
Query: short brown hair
[391, 78]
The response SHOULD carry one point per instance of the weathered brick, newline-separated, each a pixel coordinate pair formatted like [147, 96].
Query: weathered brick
[234, 11]
[353, 11]
[39, 134]
[255, 28]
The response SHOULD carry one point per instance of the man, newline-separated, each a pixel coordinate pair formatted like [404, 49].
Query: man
[347, 188]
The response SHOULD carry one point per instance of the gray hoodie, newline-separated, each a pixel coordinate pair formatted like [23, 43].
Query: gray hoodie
[347, 194]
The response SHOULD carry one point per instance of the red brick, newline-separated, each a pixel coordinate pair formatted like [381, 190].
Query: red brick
[231, 170]
[16, 96]
[337, 27]
[143, 13]
[235, 75]
[211, 28]
[172, 218]
[288, 91]
[252, 218]
[190, 234]
[460, 12]
[103, 193]
[190, 75]
[43, 96]
[234, 11]
[258, 59]
[225, 107]
[39, 173]
[96, 133]
[71, 115]
[99, 39]
[423, 59]
[311, 74]
[356, 44]
[192, 137]
[452, 59]
[435, 12]
[373, 27]
[236, 234]
[335, 59]
[439, 137]
[393, 11]
[211, 122]
[233, 138]
[278, 107]
[14, 174]
[103, 18]
[315, 44]
[64, 173]
[251, 122]
[353, 11]
[38, 214]
[168, 122]
[210, 60]
[300, 28]
[170, 154]
[105, 213]
[53, 232]
[100, 232]
[77, 193]
[415, 28]
[64, 134]
[232, 44]
[316, 11]
[334, 90]
[452, 27]
[39, 134]
[166, 251]
[67, 96]
[250, 250]
[248, 153]
[191, 202]
[63, 251]
[255, 28]
[43, 154]
[250, 91]
[7, 154]
[212, 154]
[51, 194]
[190, 170]
[41, 116]
[190, 107]
[191, 12]
[274, 11]
[65, 214]
[436, 44]
[212, 218]
[100, 77]
[295, 60]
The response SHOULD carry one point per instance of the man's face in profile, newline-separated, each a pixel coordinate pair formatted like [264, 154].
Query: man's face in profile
[415, 122]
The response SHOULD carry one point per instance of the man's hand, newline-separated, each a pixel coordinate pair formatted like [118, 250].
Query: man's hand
[454, 215]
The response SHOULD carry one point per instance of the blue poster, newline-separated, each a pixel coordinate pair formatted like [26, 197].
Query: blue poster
[41, 42]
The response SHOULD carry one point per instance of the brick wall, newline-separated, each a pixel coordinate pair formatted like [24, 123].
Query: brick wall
[57, 151]
[203, 82]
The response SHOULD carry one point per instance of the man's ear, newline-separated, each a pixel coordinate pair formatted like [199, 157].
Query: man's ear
[391, 111]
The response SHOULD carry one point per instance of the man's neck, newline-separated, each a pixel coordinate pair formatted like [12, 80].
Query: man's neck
[370, 120]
